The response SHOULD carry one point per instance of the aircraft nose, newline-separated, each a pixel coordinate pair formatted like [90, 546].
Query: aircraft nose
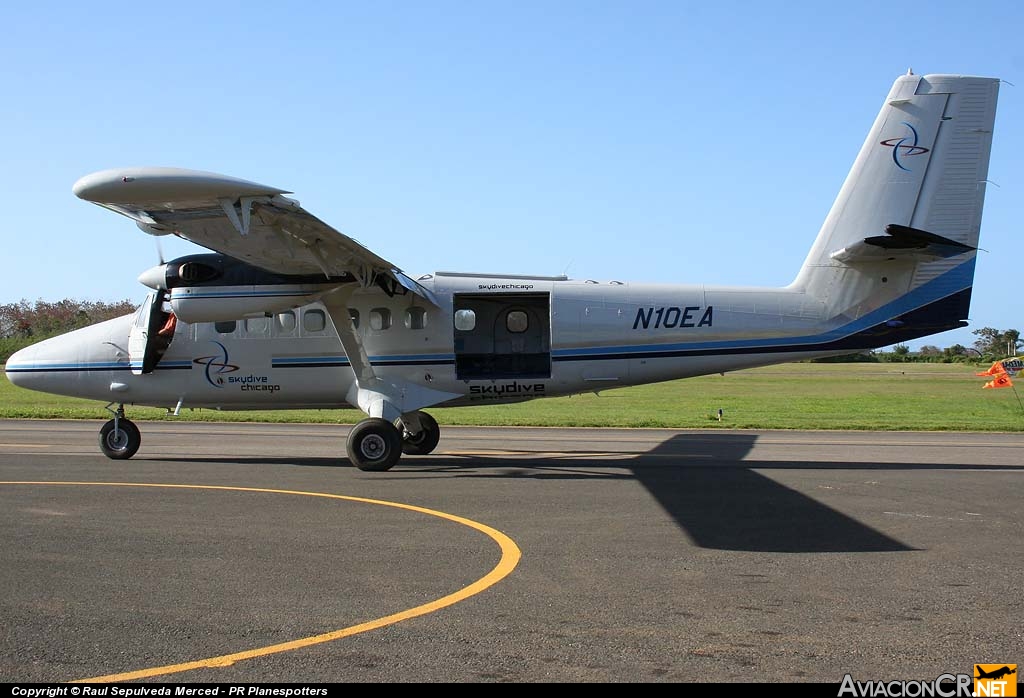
[154, 278]
[18, 368]
[80, 363]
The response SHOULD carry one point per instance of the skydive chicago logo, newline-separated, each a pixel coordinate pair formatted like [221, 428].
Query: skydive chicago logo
[904, 147]
[219, 364]
[216, 365]
[988, 681]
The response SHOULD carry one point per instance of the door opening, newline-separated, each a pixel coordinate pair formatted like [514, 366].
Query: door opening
[502, 335]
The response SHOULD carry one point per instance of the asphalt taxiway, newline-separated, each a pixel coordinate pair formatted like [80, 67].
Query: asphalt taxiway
[256, 553]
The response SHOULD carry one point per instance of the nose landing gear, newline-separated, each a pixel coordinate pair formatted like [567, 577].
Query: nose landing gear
[119, 438]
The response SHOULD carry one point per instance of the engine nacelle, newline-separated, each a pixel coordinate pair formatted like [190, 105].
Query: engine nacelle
[217, 288]
[221, 303]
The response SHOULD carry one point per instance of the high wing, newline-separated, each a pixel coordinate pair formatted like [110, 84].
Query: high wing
[242, 219]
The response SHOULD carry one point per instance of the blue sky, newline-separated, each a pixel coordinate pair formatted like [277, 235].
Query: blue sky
[639, 141]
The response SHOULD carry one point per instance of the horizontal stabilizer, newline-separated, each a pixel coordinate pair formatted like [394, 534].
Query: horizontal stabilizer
[901, 242]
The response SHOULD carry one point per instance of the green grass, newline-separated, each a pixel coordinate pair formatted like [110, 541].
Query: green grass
[914, 397]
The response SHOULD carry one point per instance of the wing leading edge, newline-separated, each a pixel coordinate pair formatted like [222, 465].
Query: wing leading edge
[242, 219]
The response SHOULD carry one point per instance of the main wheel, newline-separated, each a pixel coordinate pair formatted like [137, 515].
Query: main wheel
[425, 441]
[374, 444]
[121, 442]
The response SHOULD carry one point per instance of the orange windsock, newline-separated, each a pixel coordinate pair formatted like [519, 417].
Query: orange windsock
[1000, 381]
[995, 370]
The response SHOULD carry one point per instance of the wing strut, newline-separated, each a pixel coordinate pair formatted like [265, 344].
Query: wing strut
[371, 393]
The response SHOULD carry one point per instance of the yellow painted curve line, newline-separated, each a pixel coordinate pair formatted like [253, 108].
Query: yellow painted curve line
[510, 555]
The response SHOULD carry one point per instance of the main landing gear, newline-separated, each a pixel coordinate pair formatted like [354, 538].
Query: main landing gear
[119, 438]
[376, 444]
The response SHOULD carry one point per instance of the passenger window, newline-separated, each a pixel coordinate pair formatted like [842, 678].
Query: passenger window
[354, 314]
[380, 319]
[285, 322]
[517, 321]
[256, 325]
[314, 321]
[416, 318]
[225, 326]
[465, 320]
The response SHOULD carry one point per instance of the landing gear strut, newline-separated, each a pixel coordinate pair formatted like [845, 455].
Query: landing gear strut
[119, 438]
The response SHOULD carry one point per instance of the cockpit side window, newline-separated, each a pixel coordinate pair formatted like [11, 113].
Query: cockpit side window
[140, 316]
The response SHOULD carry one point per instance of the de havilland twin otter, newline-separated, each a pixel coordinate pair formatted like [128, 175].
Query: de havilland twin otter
[288, 313]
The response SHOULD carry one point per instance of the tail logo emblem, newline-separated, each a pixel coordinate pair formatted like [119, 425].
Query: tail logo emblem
[904, 147]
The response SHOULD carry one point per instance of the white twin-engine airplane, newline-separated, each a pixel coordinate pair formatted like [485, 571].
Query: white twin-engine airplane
[289, 313]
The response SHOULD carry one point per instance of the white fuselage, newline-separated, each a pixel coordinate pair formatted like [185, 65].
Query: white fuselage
[574, 336]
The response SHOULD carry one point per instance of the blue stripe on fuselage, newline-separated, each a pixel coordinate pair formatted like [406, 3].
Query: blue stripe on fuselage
[955, 280]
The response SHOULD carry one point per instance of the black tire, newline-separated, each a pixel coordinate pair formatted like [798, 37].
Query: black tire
[122, 443]
[374, 445]
[424, 442]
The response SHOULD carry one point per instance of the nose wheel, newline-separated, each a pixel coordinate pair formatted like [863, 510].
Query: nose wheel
[119, 438]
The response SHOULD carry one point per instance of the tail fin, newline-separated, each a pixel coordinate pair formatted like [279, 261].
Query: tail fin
[900, 241]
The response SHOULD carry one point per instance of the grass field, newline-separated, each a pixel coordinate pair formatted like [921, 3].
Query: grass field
[914, 397]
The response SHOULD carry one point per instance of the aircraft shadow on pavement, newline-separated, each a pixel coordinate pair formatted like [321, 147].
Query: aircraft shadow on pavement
[723, 504]
[718, 498]
[702, 481]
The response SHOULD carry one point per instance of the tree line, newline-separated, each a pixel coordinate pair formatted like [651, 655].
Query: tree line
[24, 323]
[991, 345]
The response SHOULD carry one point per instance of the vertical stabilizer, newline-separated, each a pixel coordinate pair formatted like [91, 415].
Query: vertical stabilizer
[907, 220]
